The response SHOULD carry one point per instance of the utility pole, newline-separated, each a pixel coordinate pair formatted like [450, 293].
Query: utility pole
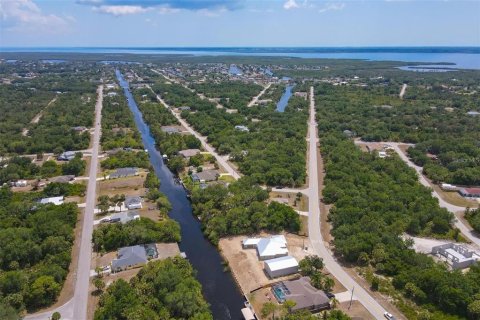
[351, 298]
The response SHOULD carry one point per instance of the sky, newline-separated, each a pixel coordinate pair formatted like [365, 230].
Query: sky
[224, 23]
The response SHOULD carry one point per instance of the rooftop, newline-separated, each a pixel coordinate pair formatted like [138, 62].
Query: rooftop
[282, 263]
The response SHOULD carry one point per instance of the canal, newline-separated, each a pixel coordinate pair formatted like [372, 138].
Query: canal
[283, 102]
[219, 288]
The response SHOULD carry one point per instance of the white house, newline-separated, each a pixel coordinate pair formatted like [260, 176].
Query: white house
[54, 200]
[282, 266]
[133, 202]
[267, 248]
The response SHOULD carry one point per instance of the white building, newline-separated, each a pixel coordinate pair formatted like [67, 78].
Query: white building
[54, 200]
[282, 266]
[20, 183]
[268, 248]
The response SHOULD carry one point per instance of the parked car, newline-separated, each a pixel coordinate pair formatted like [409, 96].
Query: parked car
[389, 316]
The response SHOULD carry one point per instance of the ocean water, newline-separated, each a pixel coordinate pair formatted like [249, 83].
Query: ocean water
[454, 57]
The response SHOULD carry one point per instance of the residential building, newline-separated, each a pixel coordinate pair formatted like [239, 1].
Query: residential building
[66, 156]
[280, 267]
[268, 248]
[242, 128]
[124, 172]
[188, 153]
[133, 202]
[470, 192]
[300, 291]
[205, 176]
[170, 129]
[459, 257]
[20, 183]
[62, 179]
[129, 257]
[53, 200]
[124, 217]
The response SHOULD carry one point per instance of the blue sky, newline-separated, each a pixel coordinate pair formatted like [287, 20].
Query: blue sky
[239, 23]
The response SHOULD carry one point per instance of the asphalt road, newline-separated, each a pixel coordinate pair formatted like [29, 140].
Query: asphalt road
[202, 139]
[76, 308]
[466, 230]
[314, 233]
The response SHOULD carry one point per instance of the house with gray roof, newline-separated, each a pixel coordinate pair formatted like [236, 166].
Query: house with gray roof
[66, 156]
[170, 129]
[133, 202]
[129, 257]
[205, 176]
[188, 153]
[63, 179]
[305, 296]
[124, 172]
[124, 217]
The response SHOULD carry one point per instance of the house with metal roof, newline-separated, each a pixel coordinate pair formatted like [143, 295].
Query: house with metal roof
[129, 257]
[170, 129]
[305, 296]
[281, 266]
[470, 192]
[268, 248]
[53, 200]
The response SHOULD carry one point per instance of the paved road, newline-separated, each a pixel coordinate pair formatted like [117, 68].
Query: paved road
[76, 308]
[221, 160]
[466, 230]
[402, 91]
[255, 99]
[314, 233]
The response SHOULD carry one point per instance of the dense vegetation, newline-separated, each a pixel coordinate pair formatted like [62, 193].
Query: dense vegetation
[23, 168]
[232, 94]
[240, 208]
[123, 159]
[273, 151]
[32, 86]
[432, 116]
[473, 217]
[118, 126]
[375, 202]
[36, 249]
[109, 237]
[164, 289]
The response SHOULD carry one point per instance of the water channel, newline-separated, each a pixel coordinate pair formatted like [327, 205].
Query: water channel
[283, 102]
[219, 288]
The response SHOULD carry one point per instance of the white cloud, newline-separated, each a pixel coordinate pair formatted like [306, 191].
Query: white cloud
[121, 10]
[26, 16]
[290, 4]
[332, 7]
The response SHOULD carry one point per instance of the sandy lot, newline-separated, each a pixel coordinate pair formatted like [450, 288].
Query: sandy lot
[245, 266]
[132, 186]
[291, 200]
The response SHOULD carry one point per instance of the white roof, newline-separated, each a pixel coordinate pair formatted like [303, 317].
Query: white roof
[275, 245]
[55, 200]
[248, 314]
[281, 263]
[251, 241]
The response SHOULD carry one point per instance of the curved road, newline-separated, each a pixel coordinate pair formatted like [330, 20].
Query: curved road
[450, 207]
[314, 224]
[76, 308]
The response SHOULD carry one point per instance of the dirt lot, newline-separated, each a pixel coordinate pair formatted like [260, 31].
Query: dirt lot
[357, 311]
[291, 200]
[132, 186]
[245, 266]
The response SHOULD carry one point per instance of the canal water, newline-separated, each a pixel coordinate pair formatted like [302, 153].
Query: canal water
[219, 288]
[283, 102]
